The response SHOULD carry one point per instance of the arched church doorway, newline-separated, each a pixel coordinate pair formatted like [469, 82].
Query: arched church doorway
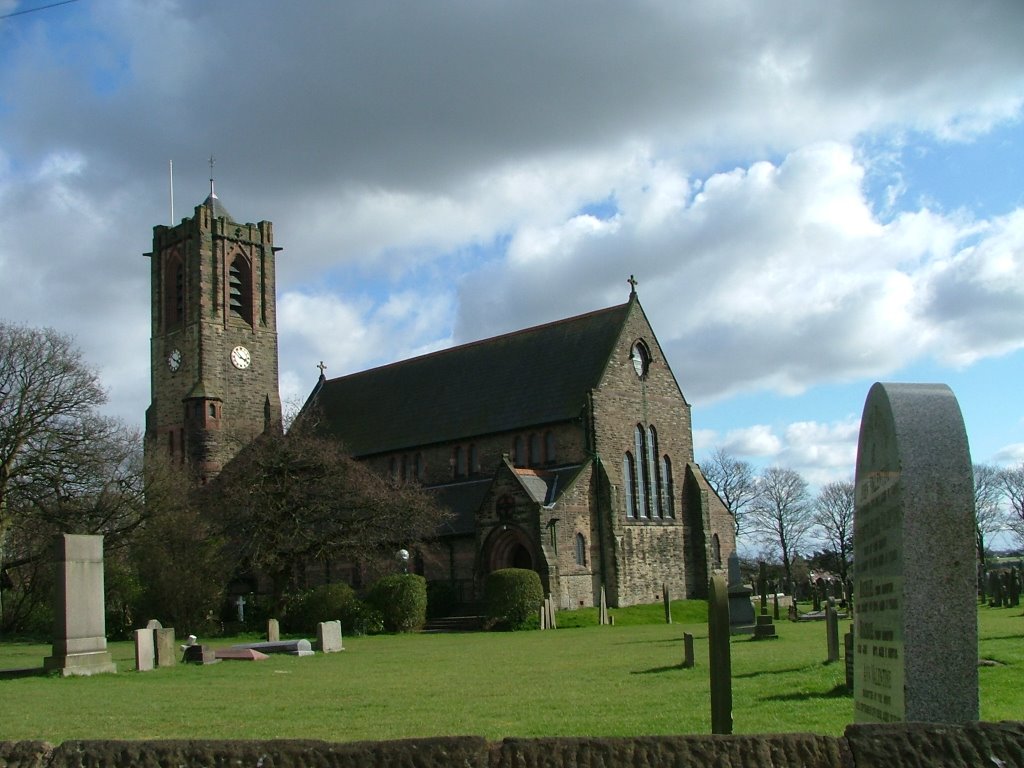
[509, 547]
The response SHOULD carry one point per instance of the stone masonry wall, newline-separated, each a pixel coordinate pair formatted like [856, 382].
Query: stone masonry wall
[914, 745]
[648, 553]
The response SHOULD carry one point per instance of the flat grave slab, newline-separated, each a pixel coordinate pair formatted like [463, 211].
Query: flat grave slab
[240, 654]
[290, 647]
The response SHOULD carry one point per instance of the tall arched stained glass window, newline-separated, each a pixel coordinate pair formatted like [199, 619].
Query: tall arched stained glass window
[668, 504]
[629, 483]
[654, 472]
[643, 478]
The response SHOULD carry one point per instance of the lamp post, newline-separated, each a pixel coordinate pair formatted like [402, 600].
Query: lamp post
[402, 556]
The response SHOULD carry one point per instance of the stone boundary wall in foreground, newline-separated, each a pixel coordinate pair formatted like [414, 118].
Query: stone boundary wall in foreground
[999, 745]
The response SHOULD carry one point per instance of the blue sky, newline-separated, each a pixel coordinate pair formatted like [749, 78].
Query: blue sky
[813, 198]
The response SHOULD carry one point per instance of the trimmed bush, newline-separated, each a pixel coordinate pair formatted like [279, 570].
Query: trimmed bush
[401, 600]
[514, 596]
[328, 602]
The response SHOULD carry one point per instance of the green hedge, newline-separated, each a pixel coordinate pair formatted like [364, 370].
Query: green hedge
[401, 601]
[328, 602]
[514, 597]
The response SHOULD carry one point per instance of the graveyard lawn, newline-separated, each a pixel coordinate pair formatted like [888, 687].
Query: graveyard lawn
[589, 681]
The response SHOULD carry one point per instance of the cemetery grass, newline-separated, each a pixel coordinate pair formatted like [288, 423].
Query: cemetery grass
[624, 680]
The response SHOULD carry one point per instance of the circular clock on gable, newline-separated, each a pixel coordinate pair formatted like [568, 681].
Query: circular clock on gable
[240, 357]
[174, 360]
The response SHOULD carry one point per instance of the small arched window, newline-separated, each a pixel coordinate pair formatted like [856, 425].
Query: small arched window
[581, 549]
[240, 288]
[458, 461]
[716, 552]
[474, 460]
[629, 483]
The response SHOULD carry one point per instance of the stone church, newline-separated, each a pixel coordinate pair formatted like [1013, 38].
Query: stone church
[565, 448]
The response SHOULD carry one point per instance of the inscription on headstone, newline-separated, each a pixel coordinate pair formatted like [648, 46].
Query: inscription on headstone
[916, 641]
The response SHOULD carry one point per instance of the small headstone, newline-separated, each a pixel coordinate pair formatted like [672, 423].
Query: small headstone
[832, 633]
[764, 629]
[552, 619]
[687, 650]
[668, 603]
[79, 627]
[200, 654]
[603, 616]
[273, 631]
[144, 652]
[154, 624]
[916, 633]
[719, 655]
[328, 637]
[544, 615]
[163, 641]
[775, 609]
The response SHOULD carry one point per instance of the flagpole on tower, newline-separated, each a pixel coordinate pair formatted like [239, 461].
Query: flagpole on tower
[170, 170]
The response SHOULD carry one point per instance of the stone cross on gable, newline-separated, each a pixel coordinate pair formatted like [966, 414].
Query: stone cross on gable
[632, 285]
[322, 368]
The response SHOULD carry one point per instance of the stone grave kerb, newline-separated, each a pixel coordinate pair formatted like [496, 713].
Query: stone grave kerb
[914, 550]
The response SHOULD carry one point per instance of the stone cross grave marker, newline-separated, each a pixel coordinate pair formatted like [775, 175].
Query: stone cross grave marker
[916, 632]
[79, 620]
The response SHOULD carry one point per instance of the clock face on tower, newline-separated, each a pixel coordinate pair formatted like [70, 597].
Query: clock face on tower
[174, 360]
[240, 358]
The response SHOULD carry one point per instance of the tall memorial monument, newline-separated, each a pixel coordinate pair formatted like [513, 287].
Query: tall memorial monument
[80, 638]
[916, 631]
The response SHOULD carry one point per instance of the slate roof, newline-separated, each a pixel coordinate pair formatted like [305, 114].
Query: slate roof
[219, 211]
[545, 485]
[536, 376]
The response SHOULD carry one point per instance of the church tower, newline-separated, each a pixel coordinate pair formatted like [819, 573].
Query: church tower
[213, 348]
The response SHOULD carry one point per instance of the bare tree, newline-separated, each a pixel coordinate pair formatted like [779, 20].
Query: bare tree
[1012, 482]
[782, 514]
[63, 467]
[833, 514]
[48, 398]
[989, 518]
[291, 499]
[734, 481]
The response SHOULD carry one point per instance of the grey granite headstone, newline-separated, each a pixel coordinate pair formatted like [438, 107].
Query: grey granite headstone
[916, 632]
[741, 610]
[144, 654]
[79, 621]
[328, 637]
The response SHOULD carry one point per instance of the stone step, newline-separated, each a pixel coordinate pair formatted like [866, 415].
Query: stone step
[454, 624]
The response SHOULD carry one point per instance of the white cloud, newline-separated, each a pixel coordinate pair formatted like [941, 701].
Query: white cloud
[444, 158]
